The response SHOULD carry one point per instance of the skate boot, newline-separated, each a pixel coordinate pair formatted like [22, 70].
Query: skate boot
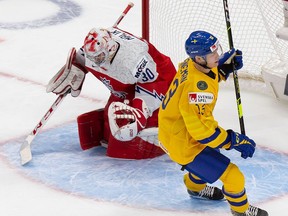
[209, 192]
[251, 211]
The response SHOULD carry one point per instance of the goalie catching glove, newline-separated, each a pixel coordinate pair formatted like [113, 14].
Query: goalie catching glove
[127, 121]
[69, 77]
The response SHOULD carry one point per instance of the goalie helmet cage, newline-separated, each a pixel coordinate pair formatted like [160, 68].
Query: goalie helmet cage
[167, 24]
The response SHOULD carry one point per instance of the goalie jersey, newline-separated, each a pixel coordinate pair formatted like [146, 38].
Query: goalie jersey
[186, 123]
[137, 70]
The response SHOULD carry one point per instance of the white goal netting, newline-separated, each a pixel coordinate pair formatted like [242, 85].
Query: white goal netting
[253, 24]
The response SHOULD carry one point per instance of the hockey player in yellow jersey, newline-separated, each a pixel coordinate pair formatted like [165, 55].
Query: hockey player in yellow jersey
[192, 137]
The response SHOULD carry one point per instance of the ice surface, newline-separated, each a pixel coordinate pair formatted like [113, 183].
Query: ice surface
[61, 179]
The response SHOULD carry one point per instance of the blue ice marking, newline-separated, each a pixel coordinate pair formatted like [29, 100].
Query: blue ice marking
[68, 11]
[155, 183]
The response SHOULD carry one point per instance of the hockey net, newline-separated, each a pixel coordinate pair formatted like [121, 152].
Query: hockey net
[253, 24]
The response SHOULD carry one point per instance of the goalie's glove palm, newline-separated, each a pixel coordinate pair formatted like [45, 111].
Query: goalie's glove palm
[127, 121]
[241, 143]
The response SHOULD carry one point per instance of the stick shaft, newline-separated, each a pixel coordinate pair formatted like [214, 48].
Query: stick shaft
[235, 75]
[129, 6]
[25, 149]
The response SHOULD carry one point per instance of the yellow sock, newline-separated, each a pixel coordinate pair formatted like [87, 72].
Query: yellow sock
[193, 183]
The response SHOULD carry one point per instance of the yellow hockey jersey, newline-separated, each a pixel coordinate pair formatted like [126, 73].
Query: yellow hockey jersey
[186, 122]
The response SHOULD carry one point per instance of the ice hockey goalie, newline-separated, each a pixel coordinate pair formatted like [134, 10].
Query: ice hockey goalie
[136, 74]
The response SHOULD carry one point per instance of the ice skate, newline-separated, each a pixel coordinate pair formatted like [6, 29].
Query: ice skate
[209, 192]
[251, 211]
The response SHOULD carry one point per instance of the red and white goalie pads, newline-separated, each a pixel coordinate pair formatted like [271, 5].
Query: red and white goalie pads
[127, 121]
[70, 76]
[91, 130]
[143, 146]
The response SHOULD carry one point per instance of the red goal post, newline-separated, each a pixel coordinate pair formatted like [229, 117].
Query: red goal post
[145, 19]
[167, 23]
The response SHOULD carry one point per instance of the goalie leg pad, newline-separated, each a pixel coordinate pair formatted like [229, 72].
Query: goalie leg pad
[90, 128]
[143, 146]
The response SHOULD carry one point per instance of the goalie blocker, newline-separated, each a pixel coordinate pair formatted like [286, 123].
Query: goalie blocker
[94, 131]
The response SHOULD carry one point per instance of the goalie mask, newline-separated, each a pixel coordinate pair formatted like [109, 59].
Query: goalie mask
[99, 46]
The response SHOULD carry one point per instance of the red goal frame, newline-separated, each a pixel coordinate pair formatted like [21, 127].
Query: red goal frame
[145, 19]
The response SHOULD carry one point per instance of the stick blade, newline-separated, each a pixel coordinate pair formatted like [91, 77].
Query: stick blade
[25, 153]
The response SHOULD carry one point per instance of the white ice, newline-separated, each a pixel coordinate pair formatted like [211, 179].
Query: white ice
[30, 57]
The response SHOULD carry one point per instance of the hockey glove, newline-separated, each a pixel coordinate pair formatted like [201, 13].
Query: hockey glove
[69, 77]
[241, 143]
[127, 121]
[225, 65]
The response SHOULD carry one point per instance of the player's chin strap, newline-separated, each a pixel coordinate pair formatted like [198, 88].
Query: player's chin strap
[202, 65]
[127, 121]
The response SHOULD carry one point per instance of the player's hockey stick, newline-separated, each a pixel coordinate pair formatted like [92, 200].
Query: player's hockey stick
[235, 75]
[25, 149]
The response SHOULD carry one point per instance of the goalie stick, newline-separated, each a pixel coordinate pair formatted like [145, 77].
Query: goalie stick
[129, 6]
[25, 149]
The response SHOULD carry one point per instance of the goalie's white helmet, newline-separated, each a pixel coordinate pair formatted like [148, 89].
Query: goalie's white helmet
[99, 46]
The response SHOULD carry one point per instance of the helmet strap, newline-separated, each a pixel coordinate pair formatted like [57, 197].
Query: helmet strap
[202, 65]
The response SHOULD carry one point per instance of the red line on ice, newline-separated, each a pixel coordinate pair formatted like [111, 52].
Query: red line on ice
[22, 79]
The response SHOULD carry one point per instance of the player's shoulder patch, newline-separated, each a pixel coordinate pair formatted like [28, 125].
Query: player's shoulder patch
[202, 85]
[200, 97]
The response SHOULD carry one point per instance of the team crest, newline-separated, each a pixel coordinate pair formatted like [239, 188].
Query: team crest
[200, 97]
[202, 85]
